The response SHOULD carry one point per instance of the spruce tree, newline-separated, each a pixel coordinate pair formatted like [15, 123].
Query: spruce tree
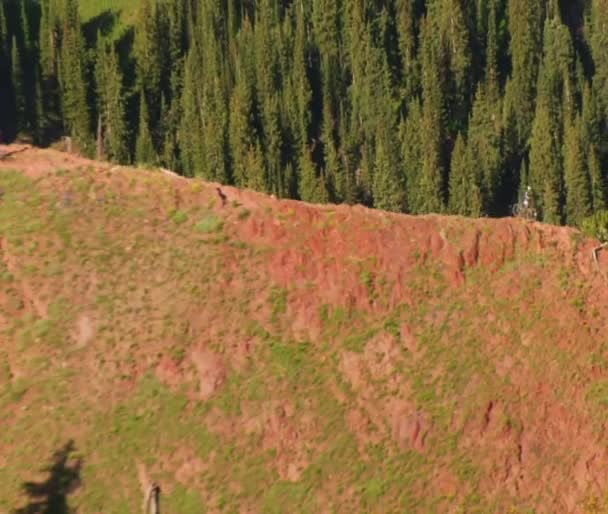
[144, 149]
[492, 78]
[301, 83]
[50, 116]
[432, 174]
[596, 176]
[111, 102]
[216, 135]
[242, 130]
[333, 165]
[525, 28]
[311, 183]
[25, 25]
[485, 143]
[545, 171]
[388, 187]
[171, 114]
[273, 142]
[576, 179]
[465, 193]
[599, 42]
[149, 43]
[257, 177]
[18, 87]
[406, 28]
[190, 135]
[556, 82]
[411, 150]
[76, 111]
[591, 118]
[453, 27]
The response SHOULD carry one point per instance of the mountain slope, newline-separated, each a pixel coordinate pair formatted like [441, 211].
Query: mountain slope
[273, 356]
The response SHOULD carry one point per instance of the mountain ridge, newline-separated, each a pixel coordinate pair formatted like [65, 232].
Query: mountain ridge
[271, 356]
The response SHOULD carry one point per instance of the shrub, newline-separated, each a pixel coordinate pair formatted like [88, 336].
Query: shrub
[210, 224]
[597, 226]
[179, 217]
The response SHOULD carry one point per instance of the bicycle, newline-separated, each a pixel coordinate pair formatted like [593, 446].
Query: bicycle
[525, 212]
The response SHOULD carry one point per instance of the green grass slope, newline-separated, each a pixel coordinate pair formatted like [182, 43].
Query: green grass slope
[275, 357]
[92, 8]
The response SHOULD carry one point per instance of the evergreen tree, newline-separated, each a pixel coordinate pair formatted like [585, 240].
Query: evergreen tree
[144, 149]
[111, 103]
[556, 82]
[485, 142]
[301, 83]
[465, 193]
[591, 119]
[432, 173]
[599, 42]
[545, 171]
[596, 176]
[388, 188]
[76, 112]
[453, 26]
[492, 78]
[242, 130]
[50, 117]
[256, 176]
[273, 142]
[311, 183]
[411, 150]
[190, 136]
[406, 27]
[18, 86]
[576, 178]
[525, 28]
[25, 25]
[149, 40]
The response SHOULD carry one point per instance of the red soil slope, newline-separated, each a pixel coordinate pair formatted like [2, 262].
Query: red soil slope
[470, 353]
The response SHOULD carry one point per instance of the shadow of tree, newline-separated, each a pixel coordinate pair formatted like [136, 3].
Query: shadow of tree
[102, 24]
[50, 496]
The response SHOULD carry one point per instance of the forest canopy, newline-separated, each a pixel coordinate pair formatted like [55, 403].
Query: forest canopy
[448, 106]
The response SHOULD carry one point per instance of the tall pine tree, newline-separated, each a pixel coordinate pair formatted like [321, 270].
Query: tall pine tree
[576, 177]
[465, 192]
[111, 103]
[76, 111]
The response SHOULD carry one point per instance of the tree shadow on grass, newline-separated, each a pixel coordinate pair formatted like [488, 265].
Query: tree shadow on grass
[50, 496]
[103, 24]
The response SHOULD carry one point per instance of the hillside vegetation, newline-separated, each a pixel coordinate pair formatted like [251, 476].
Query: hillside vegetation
[272, 356]
[418, 106]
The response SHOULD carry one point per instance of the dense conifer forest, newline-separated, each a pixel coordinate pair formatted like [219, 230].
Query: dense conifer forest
[449, 106]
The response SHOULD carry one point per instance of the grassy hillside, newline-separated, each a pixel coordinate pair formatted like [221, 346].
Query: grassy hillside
[111, 17]
[271, 356]
[91, 8]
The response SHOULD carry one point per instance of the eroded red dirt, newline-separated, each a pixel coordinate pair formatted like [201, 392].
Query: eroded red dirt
[487, 358]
